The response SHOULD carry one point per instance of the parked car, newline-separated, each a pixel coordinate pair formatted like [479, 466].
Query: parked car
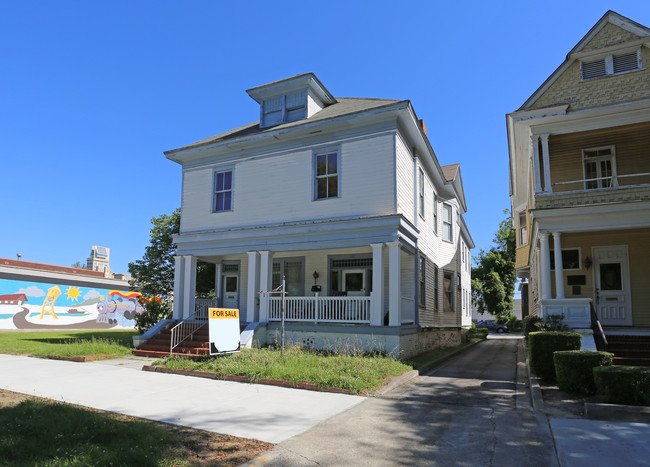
[490, 326]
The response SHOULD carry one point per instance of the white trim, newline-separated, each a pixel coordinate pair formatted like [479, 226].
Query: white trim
[325, 151]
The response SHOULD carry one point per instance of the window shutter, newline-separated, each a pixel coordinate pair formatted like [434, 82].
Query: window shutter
[626, 62]
[594, 69]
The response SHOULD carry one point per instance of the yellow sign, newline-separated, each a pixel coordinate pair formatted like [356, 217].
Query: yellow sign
[224, 313]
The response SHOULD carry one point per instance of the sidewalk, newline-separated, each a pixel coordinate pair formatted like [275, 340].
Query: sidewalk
[266, 413]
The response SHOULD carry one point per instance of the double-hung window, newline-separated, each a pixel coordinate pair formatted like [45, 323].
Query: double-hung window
[421, 191]
[326, 184]
[423, 290]
[523, 229]
[448, 291]
[600, 167]
[447, 231]
[435, 213]
[223, 191]
[436, 289]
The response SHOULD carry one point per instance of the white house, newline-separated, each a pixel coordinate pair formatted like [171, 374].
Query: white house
[346, 199]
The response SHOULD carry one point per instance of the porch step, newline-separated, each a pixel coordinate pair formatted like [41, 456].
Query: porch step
[629, 350]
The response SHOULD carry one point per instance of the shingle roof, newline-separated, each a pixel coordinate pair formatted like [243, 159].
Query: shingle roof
[343, 106]
[450, 171]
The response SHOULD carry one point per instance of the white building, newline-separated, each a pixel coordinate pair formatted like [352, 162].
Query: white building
[345, 198]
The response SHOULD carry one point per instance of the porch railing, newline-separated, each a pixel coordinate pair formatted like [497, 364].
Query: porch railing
[321, 309]
[408, 310]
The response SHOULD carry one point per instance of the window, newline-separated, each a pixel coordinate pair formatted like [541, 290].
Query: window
[448, 290]
[435, 213]
[611, 64]
[570, 259]
[293, 271]
[423, 290]
[447, 232]
[522, 228]
[436, 290]
[599, 167]
[421, 192]
[327, 175]
[223, 191]
[284, 109]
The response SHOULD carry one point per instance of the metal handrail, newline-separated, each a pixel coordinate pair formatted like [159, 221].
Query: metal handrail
[595, 324]
[186, 329]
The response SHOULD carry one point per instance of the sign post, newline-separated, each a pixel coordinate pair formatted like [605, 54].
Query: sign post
[224, 330]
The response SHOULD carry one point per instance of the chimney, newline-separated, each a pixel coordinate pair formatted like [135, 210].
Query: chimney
[424, 127]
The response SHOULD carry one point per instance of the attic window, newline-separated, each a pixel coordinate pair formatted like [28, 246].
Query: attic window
[284, 109]
[610, 65]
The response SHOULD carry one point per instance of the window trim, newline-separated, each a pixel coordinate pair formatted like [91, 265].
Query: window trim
[315, 177]
[435, 213]
[436, 288]
[422, 273]
[609, 64]
[552, 259]
[216, 172]
[522, 227]
[611, 156]
[451, 223]
[421, 210]
[450, 291]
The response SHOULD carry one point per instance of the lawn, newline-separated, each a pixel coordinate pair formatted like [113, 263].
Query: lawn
[355, 373]
[30, 437]
[67, 343]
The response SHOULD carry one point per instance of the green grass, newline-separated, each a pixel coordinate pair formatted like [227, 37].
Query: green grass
[67, 344]
[355, 373]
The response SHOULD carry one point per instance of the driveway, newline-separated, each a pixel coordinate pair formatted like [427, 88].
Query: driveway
[465, 412]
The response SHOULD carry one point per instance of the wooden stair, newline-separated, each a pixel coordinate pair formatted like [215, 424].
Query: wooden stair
[158, 346]
[629, 350]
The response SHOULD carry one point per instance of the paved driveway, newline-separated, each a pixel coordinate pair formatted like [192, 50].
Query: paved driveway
[463, 413]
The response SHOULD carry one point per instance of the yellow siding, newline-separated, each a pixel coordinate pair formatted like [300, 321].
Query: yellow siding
[610, 35]
[522, 256]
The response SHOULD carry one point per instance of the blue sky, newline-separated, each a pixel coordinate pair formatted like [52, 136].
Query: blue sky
[92, 93]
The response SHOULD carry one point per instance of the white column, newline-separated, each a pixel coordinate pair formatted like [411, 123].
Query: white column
[395, 286]
[544, 266]
[266, 270]
[547, 165]
[534, 141]
[251, 294]
[217, 282]
[178, 287]
[559, 268]
[377, 304]
[189, 286]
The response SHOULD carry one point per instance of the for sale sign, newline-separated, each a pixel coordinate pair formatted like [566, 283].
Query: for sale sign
[224, 330]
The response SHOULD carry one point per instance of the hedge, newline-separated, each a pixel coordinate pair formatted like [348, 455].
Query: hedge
[628, 385]
[476, 332]
[574, 369]
[541, 346]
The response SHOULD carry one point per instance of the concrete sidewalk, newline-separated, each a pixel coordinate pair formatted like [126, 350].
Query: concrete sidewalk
[266, 413]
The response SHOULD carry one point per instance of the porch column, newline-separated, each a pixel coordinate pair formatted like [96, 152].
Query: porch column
[266, 269]
[395, 286]
[377, 303]
[217, 282]
[251, 293]
[178, 288]
[544, 266]
[534, 141]
[559, 267]
[547, 165]
[189, 286]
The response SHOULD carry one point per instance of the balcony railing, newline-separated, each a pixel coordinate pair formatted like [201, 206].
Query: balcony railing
[612, 190]
[321, 309]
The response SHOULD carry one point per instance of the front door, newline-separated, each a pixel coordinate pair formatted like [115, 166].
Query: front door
[612, 285]
[231, 291]
[354, 282]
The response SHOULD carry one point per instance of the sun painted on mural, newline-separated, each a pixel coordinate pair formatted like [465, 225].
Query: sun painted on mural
[73, 293]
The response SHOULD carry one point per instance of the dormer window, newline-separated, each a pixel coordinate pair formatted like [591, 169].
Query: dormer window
[284, 109]
[611, 65]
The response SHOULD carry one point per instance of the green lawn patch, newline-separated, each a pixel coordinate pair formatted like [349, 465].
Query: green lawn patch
[67, 343]
[355, 373]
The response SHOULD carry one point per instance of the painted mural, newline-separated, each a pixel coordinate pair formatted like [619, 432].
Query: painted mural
[38, 305]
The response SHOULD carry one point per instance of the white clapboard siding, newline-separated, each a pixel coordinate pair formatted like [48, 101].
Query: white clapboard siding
[405, 188]
[277, 189]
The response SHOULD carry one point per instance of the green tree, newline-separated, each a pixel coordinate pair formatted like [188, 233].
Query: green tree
[78, 265]
[494, 277]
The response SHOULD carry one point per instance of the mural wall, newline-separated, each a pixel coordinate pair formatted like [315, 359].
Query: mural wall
[39, 305]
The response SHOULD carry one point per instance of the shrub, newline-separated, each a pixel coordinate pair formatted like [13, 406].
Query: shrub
[574, 369]
[474, 332]
[541, 346]
[550, 323]
[154, 312]
[629, 385]
[514, 325]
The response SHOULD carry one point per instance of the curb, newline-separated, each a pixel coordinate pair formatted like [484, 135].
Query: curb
[395, 382]
[244, 379]
[434, 363]
[88, 358]
[536, 397]
[617, 413]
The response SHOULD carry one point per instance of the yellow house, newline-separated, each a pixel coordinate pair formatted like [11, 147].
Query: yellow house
[580, 183]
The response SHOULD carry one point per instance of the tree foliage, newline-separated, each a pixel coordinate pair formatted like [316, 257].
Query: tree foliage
[493, 278]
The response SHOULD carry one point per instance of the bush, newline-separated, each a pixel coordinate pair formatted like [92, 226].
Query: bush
[514, 325]
[629, 385]
[550, 323]
[474, 332]
[574, 369]
[541, 346]
[154, 311]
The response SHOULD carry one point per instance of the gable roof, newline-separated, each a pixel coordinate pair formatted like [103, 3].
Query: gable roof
[343, 106]
[611, 17]
[450, 171]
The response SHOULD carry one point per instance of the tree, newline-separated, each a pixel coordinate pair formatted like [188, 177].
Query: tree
[494, 277]
[78, 265]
